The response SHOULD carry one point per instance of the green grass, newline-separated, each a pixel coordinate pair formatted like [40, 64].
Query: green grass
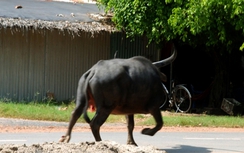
[62, 112]
[200, 121]
[35, 111]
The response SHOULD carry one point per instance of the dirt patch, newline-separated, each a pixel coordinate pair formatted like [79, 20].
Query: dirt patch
[113, 128]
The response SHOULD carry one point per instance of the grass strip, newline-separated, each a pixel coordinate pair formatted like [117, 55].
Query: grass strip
[62, 113]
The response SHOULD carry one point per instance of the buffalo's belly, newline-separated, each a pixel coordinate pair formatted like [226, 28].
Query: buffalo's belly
[129, 110]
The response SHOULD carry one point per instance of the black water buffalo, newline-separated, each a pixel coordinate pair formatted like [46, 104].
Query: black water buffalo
[121, 86]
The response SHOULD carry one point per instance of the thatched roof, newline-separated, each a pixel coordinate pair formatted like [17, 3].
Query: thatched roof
[55, 15]
[72, 27]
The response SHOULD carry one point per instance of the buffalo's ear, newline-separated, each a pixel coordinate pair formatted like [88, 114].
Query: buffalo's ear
[163, 77]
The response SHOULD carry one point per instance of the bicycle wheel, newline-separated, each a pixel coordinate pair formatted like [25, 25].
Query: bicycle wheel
[182, 99]
[165, 92]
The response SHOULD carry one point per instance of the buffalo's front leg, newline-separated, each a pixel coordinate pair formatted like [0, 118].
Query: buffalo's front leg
[156, 113]
[130, 127]
[74, 117]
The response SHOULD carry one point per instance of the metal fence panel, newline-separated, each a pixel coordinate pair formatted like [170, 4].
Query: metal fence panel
[129, 47]
[34, 63]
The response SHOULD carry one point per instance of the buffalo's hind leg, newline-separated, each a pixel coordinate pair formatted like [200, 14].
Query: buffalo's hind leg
[130, 127]
[74, 117]
[156, 113]
[98, 120]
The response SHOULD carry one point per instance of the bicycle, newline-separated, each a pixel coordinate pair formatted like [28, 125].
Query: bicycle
[179, 97]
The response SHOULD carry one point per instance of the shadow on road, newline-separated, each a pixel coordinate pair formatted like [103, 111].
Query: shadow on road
[187, 149]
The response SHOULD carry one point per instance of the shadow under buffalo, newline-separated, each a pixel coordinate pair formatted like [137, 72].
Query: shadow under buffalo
[187, 149]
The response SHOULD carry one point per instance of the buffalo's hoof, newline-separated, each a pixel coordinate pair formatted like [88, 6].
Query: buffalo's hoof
[131, 143]
[64, 139]
[148, 131]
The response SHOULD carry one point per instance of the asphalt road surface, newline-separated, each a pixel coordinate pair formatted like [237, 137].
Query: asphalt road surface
[171, 142]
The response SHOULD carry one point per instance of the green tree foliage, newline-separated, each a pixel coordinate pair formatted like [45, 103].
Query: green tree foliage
[212, 22]
[139, 17]
[216, 25]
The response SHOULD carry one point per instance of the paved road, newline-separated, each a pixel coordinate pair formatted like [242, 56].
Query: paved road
[172, 142]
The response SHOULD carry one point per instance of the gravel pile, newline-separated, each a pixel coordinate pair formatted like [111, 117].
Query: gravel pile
[83, 147]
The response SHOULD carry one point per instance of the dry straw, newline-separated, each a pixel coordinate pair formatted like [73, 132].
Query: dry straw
[96, 26]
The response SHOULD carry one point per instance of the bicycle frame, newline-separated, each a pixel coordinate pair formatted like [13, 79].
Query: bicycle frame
[168, 96]
[171, 97]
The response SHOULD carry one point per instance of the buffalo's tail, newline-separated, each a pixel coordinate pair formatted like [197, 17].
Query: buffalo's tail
[89, 75]
[168, 60]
